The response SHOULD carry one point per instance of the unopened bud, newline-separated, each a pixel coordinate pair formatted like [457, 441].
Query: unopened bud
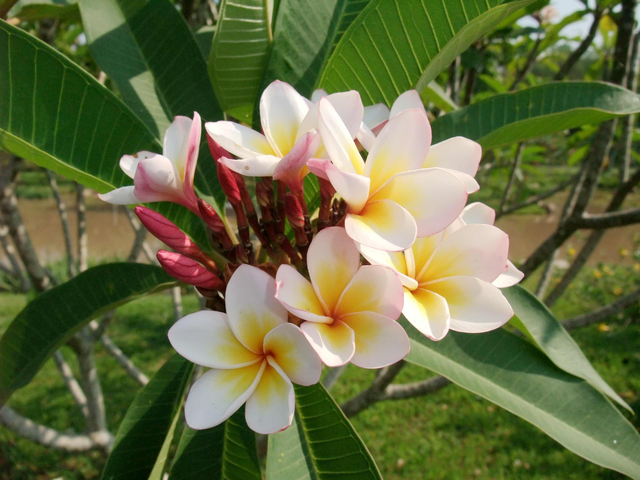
[228, 183]
[294, 211]
[262, 195]
[210, 216]
[189, 271]
[217, 152]
[166, 231]
[326, 189]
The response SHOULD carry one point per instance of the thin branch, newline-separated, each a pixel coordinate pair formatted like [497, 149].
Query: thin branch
[601, 221]
[536, 198]
[512, 176]
[81, 207]
[71, 383]
[136, 225]
[333, 376]
[602, 313]
[374, 393]
[531, 59]
[10, 252]
[546, 275]
[582, 48]
[64, 220]
[416, 389]
[628, 122]
[84, 347]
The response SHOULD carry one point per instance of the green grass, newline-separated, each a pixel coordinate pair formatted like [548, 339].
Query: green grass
[452, 434]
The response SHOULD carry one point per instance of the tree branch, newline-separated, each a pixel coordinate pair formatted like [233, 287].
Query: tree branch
[10, 252]
[602, 313]
[582, 48]
[81, 207]
[601, 221]
[71, 383]
[536, 198]
[416, 389]
[64, 220]
[374, 393]
[512, 177]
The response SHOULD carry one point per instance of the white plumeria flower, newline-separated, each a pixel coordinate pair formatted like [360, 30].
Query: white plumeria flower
[448, 278]
[390, 199]
[253, 354]
[349, 311]
[167, 177]
[459, 155]
[289, 122]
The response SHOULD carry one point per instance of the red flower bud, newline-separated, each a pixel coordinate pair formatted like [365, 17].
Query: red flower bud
[217, 151]
[210, 216]
[262, 195]
[189, 271]
[294, 211]
[228, 183]
[167, 232]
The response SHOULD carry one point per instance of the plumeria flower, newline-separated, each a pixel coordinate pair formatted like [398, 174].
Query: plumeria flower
[458, 155]
[390, 199]
[167, 177]
[289, 122]
[349, 311]
[448, 278]
[253, 354]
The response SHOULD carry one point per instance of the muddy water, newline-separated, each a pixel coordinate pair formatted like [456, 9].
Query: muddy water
[110, 234]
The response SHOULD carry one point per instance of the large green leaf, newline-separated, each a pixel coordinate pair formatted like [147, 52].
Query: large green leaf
[148, 50]
[514, 374]
[307, 32]
[38, 9]
[532, 112]
[395, 45]
[239, 51]
[547, 332]
[146, 430]
[227, 452]
[49, 320]
[320, 443]
[58, 116]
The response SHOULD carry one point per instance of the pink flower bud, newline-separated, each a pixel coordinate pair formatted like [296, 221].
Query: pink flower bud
[189, 271]
[210, 217]
[167, 232]
[294, 211]
[262, 196]
[228, 183]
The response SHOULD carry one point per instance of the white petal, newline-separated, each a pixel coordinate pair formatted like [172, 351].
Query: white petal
[120, 196]
[298, 296]
[333, 261]
[433, 197]
[337, 139]
[129, 163]
[509, 277]
[470, 183]
[335, 343]
[374, 289]
[384, 225]
[401, 146]
[157, 179]
[348, 106]
[375, 116]
[218, 394]
[475, 306]
[318, 94]
[239, 140]
[252, 308]
[478, 213]
[457, 153]
[260, 166]
[408, 100]
[428, 312]
[270, 407]
[205, 338]
[380, 341]
[352, 187]
[366, 137]
[395, 260]
[175, 141]
[282, 110]
[290, 349]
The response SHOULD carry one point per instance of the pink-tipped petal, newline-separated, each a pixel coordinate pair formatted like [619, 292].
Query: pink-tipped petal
[290, 349]
[239, 140]
[373, 289]
[402, 145]
[337, 139]
[477, 212]
[475, 306]
[509, 277]
[384, 225]
[193, 146]
[333, 261]
[120, 196]
[433, 197]
[129, 163]
[375, 116]
[352, 187]
[270, 407]
[474, 250]
[158, 180]
[335, 343]
[407, 101]
[252, 308]
[298, 296]
[218, 394]
[457, 153]
[282, 110]
[380, 341]
[260, 166]
[290, 169]
[205, 338]
[428, 312]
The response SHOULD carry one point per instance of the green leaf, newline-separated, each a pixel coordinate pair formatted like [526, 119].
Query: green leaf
[536, 111]
[39, 9]
[148, 423]
[394, 46]
[239, 51]
[49, 320]
[227, 452]
[307, 32]
[58, 116]
[493, 83]
[148, 50]
[435, 94]
[204, 38]
[514, 374]
[554, 340]
[320, 443]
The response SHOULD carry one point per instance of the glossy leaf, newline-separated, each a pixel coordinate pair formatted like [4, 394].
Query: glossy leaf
[536, 111]
[49, 320]
[320, 443]
[435, 94]
[373, 58]
[551, 337]
[514, 374]
[58, 116]
[39, 9]
[227, 452]
[239, 51]
[149, 421]
[307, 32]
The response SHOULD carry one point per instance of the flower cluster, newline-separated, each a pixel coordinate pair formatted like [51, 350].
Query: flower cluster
[304, 296]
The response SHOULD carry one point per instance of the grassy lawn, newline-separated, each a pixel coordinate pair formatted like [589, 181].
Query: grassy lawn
[452, 434]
